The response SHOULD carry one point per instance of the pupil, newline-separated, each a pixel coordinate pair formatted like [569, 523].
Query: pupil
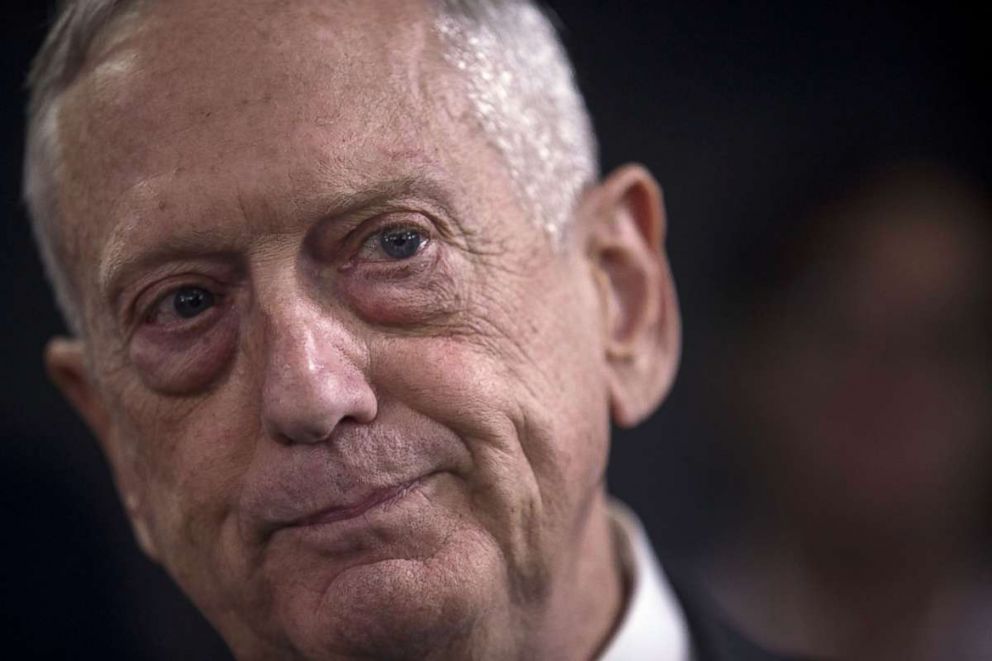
[191, 301]
[400, 244]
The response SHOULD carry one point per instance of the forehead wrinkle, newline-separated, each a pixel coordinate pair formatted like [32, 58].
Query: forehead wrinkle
[126, 92]
[210, 69]
[130, 250]
[115, 248]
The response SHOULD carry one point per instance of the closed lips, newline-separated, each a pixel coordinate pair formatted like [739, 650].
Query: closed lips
[376, 498]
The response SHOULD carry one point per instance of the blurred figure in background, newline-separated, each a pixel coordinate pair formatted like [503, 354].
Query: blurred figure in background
[860, 383]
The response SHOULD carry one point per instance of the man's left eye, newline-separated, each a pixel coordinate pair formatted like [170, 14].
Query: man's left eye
[399, 243]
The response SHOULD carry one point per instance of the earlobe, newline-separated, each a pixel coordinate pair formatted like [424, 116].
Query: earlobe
[65, 361]
[641, 327]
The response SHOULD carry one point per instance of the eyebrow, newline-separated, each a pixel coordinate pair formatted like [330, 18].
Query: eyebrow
[117, 267]
[422, 187]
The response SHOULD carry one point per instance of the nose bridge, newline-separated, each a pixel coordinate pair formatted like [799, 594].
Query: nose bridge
[313, 378]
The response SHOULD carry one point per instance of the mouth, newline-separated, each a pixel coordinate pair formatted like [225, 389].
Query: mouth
[377, 499]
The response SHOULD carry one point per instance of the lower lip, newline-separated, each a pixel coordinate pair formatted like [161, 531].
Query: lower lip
[378, 500]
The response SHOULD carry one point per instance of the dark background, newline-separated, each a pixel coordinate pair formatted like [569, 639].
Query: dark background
[734, 107]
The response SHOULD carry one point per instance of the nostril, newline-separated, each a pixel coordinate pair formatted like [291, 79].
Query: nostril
[308, 410]
[288, 435]
[300, 417]
[313, 380]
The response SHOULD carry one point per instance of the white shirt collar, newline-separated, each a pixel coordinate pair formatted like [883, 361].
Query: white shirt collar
[653, 627]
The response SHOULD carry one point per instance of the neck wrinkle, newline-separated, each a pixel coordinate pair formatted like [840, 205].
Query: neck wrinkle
[590, 593]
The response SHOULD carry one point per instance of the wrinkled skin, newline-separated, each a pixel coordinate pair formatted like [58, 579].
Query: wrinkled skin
[338, 452]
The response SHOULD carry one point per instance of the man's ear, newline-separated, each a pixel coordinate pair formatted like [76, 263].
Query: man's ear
[641, 326]
[65, 361]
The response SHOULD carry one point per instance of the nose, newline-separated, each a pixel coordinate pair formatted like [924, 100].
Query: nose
[313, 380]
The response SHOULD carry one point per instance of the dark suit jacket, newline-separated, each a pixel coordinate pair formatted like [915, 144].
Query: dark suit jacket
[713, 639]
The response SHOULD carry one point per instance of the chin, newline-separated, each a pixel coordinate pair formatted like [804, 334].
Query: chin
[399, 608]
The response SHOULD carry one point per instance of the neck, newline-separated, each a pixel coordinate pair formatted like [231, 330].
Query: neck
[588, 598]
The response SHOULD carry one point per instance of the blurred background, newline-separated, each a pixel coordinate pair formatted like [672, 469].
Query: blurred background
[822, 468]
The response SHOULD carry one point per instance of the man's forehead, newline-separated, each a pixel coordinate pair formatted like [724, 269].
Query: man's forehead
[193, 109]
[179, 64]
[192, 27]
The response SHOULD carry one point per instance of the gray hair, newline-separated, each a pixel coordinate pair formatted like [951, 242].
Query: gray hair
[516, 73]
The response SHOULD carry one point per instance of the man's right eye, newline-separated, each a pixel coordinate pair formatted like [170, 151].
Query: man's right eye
[189, 302]
[185, 334]
[182, 304]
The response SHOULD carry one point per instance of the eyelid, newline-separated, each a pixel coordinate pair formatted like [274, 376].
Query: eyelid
[371, 241]
[149, 299]
[369, 232]
[169, 295]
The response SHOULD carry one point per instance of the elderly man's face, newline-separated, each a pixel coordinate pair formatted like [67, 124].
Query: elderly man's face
[354, 398]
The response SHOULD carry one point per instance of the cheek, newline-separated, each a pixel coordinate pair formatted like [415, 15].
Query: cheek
[519, 425]
[532, 467]
[192, 449]
[443, 377]
[185, 363]
[192, 456]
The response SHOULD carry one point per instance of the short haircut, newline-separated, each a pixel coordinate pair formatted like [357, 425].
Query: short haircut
[516, 73]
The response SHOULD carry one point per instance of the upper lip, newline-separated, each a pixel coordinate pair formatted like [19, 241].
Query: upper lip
[358, 506]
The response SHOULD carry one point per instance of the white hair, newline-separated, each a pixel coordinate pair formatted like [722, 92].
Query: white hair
[516, 73]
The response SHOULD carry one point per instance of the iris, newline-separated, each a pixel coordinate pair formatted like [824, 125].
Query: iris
[401, 244]
[188, 302]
